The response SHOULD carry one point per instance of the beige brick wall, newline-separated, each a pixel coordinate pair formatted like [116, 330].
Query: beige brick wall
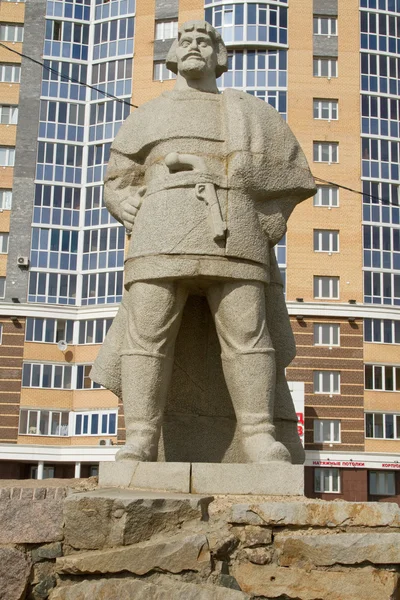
[383, 446]
[302, 262]
[382, 353]
[52, 399]
[382, 401]
[12, 12]
[9, 92]
[94, 399]
[10, 57]
[8, 134]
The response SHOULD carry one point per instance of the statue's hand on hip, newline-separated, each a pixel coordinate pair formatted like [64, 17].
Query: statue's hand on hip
[130, 208]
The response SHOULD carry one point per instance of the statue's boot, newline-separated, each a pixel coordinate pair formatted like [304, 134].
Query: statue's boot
[145, 382]
[250, 379]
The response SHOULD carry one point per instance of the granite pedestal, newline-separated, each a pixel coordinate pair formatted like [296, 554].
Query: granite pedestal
[271, 479]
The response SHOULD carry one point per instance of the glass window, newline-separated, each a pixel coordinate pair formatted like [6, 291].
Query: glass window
[382, 377]
[326, 287]
[11, 33]
[166, 30]
[43, 422]
[8, 115]
[161, 73]
[327, 196]
[385, 331]
[2, 287]
[327, 480]
[325, 109]
[327, 152]
[5, 199]
[7, 156]
[326, 240]
[326, 430]
[325, 67]
[326, 334]
[326, 382]
[96, 423]
[325, 26]
[3, 243]
[382, 483]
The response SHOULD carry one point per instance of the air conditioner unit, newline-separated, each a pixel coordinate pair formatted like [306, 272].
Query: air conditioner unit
[23, 261]
[105, 443]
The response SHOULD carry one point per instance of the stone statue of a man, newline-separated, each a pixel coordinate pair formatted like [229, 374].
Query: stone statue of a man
[205, 183]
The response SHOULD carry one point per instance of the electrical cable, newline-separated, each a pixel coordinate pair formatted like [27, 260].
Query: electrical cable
[92, 87]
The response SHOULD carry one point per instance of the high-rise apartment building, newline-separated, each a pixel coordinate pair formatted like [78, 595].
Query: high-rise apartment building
[332, 69]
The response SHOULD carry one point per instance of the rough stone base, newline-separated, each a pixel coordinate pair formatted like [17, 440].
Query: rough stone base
[124, 544]
[272, 479]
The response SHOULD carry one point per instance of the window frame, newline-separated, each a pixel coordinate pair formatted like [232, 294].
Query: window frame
[319, 335]
[320, 149]
[334, 382]
[371, 425]
[161, 25]
[332, 67]
[61, 426]
[332, 281]
[332, 108]
[317, 25]
[333, 240]
[317, 199]
[335, 430]
[331, 471]
[387, 373]
[85, 428]
[382, 474]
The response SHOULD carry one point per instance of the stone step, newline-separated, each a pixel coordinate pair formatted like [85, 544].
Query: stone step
[172, 554]
[271, 581]
[340, 548]
[127, 589]
[314, 513]
[116, 517]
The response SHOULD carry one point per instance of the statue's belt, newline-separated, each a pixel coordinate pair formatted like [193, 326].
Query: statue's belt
[184, 180]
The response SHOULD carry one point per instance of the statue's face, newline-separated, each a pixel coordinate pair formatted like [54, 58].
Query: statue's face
[196, 56]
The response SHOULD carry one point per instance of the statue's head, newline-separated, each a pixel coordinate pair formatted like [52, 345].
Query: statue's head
[198, 51]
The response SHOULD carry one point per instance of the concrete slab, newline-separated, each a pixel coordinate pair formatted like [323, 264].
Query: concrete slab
[166, 477]
[271, 479]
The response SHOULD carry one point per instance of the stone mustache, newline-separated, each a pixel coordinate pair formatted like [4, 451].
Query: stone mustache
[205, 183]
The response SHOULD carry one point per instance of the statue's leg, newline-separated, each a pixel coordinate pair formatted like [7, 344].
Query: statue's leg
[248, 361]
[155, 312]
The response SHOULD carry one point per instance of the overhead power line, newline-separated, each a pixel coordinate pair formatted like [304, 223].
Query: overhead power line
[122, 101]
[92, 87]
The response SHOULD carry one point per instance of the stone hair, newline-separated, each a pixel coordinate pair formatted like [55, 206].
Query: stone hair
[218, 43]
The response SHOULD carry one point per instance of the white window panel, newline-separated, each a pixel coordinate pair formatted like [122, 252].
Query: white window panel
[325, 67]
[46, 375]
[1, 333]
[166, 30]
[83, 380]
[44, 422]
[326, 152]
[326, 240]
[48, 330]
[8, 115]
[326, 287]
[327, 480]
[161, 73]
[325, 109]
[2, 287]
[326, 334]
[382, 426]
[95, 423]
[327, 196]
[11, 33]
[326, 382]
[10, 73]
[325, 26]
[93, 331]
[382, 377]
[7, 156]
[3, 243]
[326, 431]
[382, 483]
[382, 331]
